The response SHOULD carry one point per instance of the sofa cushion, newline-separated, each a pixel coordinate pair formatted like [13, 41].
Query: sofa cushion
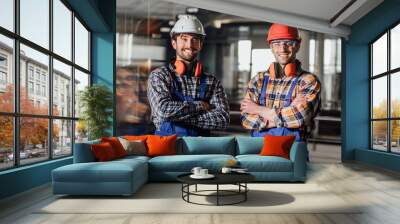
[207, 145]
[135, 137]
[185, 163]
[131, 158]
[83, 152]
[249, 145]
[277, 146]
[103, 152]
[257, 163]
[135, 147]
[112, 171]
[161, 145]
[116, 145]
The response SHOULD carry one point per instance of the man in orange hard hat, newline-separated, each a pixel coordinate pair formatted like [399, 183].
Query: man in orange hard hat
[284, 99]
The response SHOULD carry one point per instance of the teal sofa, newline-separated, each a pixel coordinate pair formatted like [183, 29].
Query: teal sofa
[125, 176]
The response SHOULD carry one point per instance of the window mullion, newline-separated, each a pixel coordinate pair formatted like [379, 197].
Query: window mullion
[371, 89]
[389, 114]
[73, 82]
[50, 81]
[16, 84]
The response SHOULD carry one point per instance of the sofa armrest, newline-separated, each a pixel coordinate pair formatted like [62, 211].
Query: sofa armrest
[83, 152]
[298, 155]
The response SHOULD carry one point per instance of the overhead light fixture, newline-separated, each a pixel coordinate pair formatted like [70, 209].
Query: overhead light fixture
[165, 29]
[156, 35]
[171, 22]
[192, 10]
[219, 22]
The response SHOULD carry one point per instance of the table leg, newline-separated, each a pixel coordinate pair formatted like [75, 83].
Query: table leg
[217, 194]
[245, 191]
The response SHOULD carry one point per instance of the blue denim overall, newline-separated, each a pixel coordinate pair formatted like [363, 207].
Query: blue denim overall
[178, 128]
[278, 131]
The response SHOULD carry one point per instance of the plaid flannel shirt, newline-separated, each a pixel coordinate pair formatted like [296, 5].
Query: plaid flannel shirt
[165, 108]
[297, 114]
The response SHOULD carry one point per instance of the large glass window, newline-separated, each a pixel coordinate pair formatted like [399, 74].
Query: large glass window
[6, 75]
[33, 141]
[385, 97]
[40, 62]
[81, 81]
[62, 91]
[34, 21]
[6, 142]
[43, 112]
[62, 29]
[81, 45]
[62, 137]
[7, 14]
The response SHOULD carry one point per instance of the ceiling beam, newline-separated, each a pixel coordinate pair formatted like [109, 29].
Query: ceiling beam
[267, 15]
[347, 11]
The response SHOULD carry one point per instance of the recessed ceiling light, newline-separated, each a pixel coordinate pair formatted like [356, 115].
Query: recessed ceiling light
[171, 22]
[192, 10]
[165, 29]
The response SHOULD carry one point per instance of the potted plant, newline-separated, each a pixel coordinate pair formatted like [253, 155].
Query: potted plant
[96, 103]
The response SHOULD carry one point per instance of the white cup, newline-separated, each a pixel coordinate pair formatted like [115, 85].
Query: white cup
[196, 170]
[203, 172]
[226, 170]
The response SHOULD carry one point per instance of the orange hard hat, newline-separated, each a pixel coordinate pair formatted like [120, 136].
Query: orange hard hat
[280, 31]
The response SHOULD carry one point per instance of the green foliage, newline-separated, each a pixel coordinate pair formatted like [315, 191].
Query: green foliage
[96, 102]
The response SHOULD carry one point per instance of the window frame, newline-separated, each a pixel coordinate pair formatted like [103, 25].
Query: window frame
[388, 74]
[16, 114]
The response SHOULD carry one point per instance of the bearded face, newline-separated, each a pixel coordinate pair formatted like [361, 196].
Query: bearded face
[187, 46]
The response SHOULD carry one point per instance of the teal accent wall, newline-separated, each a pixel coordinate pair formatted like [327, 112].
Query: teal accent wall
[24, 178]
[103, 64]
[100, 17]
[356, 101]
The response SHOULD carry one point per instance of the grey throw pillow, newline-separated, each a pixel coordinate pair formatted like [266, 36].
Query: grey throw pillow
[137, 147]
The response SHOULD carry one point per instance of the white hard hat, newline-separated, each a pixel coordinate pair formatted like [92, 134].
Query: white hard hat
[188, 24]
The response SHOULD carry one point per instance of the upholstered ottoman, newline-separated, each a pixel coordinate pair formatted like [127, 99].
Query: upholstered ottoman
[118, 177]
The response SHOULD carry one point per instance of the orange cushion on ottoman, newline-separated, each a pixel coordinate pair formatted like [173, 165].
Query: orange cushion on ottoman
[277, 145]
[103, 151]
[116, 145]
[161, 145]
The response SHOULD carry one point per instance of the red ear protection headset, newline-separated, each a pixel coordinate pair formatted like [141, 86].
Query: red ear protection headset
[289, 69]
[180, 68]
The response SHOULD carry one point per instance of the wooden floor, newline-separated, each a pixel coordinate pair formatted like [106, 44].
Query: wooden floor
[377, 189]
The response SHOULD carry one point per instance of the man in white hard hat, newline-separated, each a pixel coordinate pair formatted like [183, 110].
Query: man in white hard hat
[184, 99]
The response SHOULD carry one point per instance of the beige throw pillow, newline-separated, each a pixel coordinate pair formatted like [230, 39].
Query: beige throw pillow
[137, 147]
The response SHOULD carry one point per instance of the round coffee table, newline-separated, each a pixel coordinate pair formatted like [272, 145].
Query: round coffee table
[238, 179]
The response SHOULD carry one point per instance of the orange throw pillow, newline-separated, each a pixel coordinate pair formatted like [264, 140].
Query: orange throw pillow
[135, 137]
[277, 145]
[103, 151]
[161, 145]
[116, 145]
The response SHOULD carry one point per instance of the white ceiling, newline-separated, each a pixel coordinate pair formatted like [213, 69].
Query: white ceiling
[154, 8]
[314, 15]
